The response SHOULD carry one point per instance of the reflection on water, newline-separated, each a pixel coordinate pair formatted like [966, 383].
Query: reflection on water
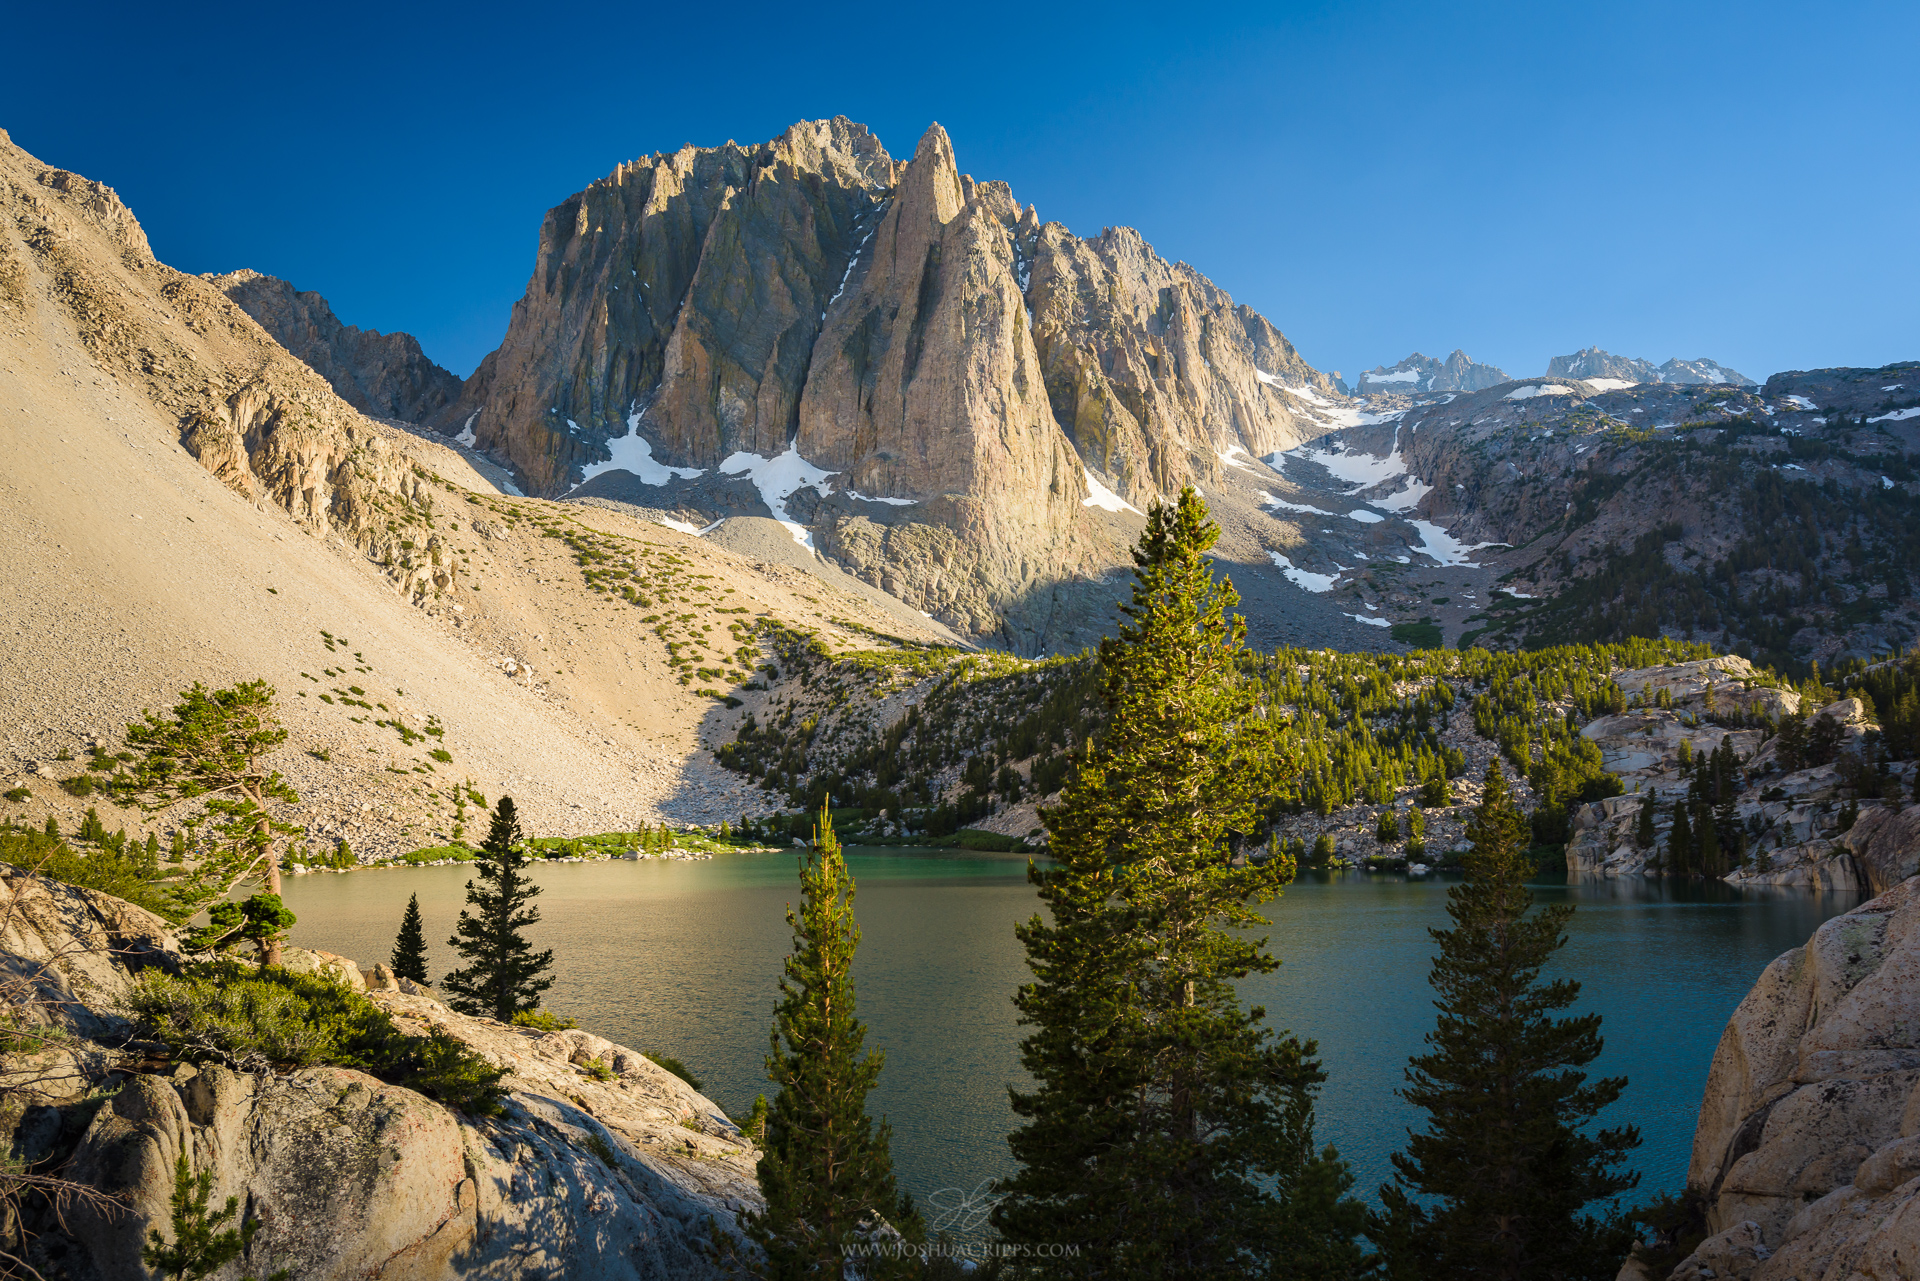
[684, 958]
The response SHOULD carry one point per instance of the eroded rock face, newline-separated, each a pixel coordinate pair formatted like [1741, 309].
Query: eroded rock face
[1808, 1145]
[386, 375]
[603, 1165]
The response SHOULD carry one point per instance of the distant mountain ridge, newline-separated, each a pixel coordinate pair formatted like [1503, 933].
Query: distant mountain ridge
[1418, 373]
[1592, 362]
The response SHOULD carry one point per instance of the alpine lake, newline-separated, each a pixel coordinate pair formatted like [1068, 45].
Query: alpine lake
[684, 959]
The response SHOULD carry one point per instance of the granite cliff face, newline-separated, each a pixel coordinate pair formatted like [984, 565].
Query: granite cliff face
[950, 398]
[385, 375]
[690, 286]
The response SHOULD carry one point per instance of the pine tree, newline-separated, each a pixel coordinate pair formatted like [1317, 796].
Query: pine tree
[1506, 1165]
[503, 975]
[1643, 833]
[1680, 856]
[1707, 833]
[827, 1173]
[410, 946]
[202, 1244]
[215, 747]
[1169, 1132]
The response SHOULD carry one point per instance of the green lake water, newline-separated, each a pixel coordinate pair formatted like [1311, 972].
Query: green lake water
[683, 959]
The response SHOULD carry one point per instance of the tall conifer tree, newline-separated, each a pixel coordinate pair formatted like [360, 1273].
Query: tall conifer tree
[410, 945]
[503, 975]
[1169, 1133]
[827, 1172]
[1506, 1165]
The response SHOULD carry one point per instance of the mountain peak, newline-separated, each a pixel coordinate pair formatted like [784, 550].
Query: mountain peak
[931, 186]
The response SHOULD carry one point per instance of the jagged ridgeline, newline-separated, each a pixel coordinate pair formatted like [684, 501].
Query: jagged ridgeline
[914, 745]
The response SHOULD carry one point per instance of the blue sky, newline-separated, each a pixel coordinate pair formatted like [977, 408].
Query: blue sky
[1734, 181]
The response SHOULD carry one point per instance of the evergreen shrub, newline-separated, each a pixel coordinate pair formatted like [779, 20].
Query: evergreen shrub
[247, 1018]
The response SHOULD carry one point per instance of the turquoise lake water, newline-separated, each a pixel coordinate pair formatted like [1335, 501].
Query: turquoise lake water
[684, 958]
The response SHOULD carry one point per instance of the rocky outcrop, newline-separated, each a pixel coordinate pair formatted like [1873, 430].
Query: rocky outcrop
[385, 375]
[1792, 818]
[1808, 1146]
[262, 421]
[66, 954]
[1885, 844]
[615, 1178]
[1418, 373]
[1727, 685]
[603, 1164]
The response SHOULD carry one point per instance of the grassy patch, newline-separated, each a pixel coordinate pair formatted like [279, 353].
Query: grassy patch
[438, 853]
[970, 839]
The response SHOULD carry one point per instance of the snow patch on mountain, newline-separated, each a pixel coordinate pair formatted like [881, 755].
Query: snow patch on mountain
[778, 479]
[1301, 578]
[1100, 496]
[1444, 547]
[632, 453]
